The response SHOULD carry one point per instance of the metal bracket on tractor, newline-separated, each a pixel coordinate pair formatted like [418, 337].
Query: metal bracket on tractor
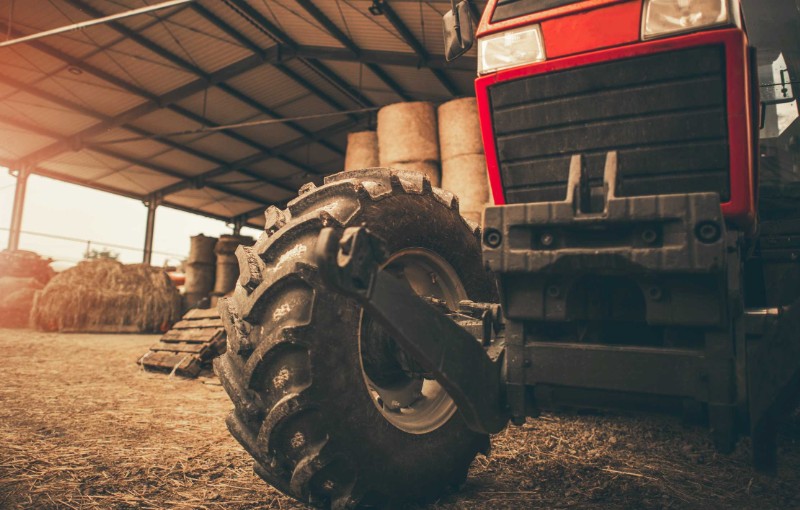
[607, 302]
[350, 263]
[615, 302]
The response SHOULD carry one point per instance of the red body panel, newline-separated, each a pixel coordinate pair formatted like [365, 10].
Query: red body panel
[486, 28]
[740, 209]
[609, 26]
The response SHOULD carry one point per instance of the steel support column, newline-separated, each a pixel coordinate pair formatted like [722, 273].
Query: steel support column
[152, 204]
[19, 206]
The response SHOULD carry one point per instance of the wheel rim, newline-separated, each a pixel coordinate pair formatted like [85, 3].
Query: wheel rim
[404, 395]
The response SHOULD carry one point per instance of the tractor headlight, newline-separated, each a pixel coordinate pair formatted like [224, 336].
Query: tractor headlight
[662, 17]
[510, 48]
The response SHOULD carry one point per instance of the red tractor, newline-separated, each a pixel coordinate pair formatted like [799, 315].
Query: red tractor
[376, 338]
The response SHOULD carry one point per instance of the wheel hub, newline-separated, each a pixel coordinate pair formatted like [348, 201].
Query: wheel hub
[399, 388]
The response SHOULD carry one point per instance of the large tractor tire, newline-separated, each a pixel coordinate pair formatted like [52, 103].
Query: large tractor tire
[332, 411]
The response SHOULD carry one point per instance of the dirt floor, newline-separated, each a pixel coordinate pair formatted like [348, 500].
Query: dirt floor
[82, 426]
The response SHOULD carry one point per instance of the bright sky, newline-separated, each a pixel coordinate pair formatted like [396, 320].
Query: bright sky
[68, 210]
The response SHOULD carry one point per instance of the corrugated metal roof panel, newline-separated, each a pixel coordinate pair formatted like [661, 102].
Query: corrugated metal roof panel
[130, 62]
[217, 106]
[420, 83]
[184, 32]
[293, 20]
[316, 79]
[360, 77]
[85, 165]
[141, 149]
[268, 85]
[240, 24]
[91, 92]
[230, 206]
[195, 40]
[25, 64]
[270, 135]
[24, 142]
[183, 162]
[222, 147]
[166, 121]
[279, 171]
[213, 202]
[320, 158]
[50, 15]
[136, 179]
[366, 30]
[41, 112]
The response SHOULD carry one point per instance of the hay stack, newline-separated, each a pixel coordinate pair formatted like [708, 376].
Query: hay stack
[25, 264]
[362, 150]
[227, 264]
[107, 296]
[200, 270]
[463, 162]
[408, 139]
[17, 295]
[22, 274]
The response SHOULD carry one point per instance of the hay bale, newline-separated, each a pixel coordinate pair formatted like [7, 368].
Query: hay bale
[227, 263]
[107, 296]
[362, 150]
[25, 264]
[200, 280]
[429, 168]
[459, 128]
[200, 270]
[16, 300]
[466, 177]
[201, 250]
[407, 132]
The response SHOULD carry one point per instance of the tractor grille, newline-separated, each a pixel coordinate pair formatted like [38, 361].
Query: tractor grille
[664, 114]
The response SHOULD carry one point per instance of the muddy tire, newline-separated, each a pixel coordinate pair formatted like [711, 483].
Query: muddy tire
[294, 366]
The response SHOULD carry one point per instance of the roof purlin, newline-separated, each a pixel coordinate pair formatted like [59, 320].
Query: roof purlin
[419, 49]
[132, 89]
[222, 170]
[162, 52]
[27, 161]
[123, 157]
[242, 8]
[348, 43]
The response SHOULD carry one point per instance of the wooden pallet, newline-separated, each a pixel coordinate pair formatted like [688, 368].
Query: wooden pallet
[189, 346]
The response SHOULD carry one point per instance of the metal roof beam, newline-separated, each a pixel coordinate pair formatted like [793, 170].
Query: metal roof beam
[242, 8]
[39, 130]
[418, 48]
[348, 43]
[100, 187]
[256, 158]
[217, 22]
[187, 181]
[37, 157]
[279, 54]
[184, 64]
[33, 159]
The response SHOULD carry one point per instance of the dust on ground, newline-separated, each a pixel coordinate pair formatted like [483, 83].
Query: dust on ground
[82, 426]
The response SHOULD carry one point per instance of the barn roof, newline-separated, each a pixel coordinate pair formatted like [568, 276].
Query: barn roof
[92, 106]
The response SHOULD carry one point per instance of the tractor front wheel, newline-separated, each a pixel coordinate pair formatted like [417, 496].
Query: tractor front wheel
[334, 413]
